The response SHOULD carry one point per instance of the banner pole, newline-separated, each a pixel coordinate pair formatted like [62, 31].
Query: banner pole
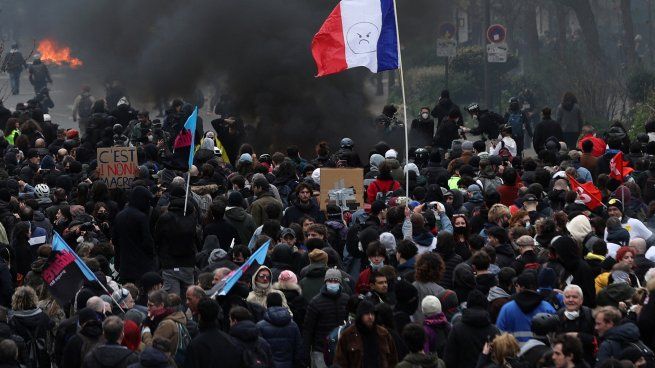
[188, 181]
[402, 87]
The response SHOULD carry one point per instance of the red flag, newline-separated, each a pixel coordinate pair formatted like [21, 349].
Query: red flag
[619, 168]
[587, 192]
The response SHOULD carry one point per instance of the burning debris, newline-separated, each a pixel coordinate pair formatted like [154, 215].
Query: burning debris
[53, 53]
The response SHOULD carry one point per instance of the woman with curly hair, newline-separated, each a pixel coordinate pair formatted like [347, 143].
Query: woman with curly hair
[28, 321]
[429, 270]
[501, 352]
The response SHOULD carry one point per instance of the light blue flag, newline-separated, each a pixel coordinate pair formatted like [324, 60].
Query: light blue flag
[230, 280]
[59, 244]
[191, 126]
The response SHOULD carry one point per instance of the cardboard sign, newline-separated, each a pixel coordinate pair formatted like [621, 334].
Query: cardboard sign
[117, 166]
[343, 187]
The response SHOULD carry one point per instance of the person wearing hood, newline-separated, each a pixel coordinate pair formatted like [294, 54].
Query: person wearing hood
[406, 305]
[132, 239]
[303, 205]
[281, 333]
[325, 311]
[365, 344]
[444, 106]
[111, 353]
[375, 161]
[576, 270]
[469, 334]
[414, 336]
[569, 117]
[176, 243]
[262, 286]
[87, 337]
[236, 216]
[264, 197]
[515, 317]
[29, 322]
[613, 334]
[447, 130]
[221, 228]
[435, 324]
[501, 294]
[39, 75]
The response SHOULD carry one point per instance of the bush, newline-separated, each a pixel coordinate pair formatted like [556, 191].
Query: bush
[640, 84]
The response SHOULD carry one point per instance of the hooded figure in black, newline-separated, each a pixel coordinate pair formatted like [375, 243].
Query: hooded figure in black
[132, 239]
[444, 106]
[567, 252]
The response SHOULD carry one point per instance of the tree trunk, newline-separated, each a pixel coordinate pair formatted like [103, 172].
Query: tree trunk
[628, 34]
[562, 18]
[587, 22]
[530, 34]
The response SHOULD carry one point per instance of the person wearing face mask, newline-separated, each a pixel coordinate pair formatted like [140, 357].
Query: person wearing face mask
[461, 233]
[422, 128]
[578, 320]
[325, 312]
[377, 256]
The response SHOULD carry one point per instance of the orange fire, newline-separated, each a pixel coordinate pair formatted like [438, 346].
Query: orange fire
[56, 54]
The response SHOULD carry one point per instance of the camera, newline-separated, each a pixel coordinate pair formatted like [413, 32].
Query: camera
[88, 226]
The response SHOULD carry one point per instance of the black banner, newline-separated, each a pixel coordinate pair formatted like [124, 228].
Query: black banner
[63, 277]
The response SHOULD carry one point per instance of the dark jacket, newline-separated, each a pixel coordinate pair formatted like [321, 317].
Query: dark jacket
[225, 232]
[258, 207]
[451, 260]
[543, 130]
[418, 360]
[131, 237]
[152, 358]
[467, 338]
[297, 210]
[110, 355]
[296, 302]
[313, 280]
[324, 312]
[246, 336]
[175, 236]
[283, 335]
[447, 132]
[6, 288]
[575, 266]
[615, 340]
[504, 255]
[350, 348]
[81, 344]
[210, 346]
[242, 222]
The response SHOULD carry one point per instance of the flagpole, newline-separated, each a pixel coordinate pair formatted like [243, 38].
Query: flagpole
[188, 181]
[402, 87]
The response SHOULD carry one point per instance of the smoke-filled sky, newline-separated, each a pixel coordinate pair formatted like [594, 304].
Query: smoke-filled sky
[261, 48]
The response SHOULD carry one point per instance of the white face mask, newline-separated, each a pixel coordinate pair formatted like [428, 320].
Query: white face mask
[571, 315]
[425, 115]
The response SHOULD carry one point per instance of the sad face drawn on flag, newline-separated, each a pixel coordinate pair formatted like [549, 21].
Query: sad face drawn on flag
[584, 197]
[363, 38]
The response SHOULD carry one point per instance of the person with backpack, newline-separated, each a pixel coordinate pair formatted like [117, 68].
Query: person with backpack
[616, 335]
[507, 147]
[256, 351]
[111, 353]
[29, 322]
[86, 338]
[165, 321]
[13, 64]
[39, 74]
[383, 186]
[83, 108]
[281, 332]
[518, 121]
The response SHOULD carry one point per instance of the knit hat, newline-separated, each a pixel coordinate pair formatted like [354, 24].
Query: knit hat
[430, 305]
[217, 255]
[332, 274]
[411, 167]
[406, 296]
[287, 278]
[546, 278]
[72, 134]
[389, 242]
[579, 227]
[376, 160]
[613, 202]
[318, 256]
[235, 199]
[245, 157]
[316, 176]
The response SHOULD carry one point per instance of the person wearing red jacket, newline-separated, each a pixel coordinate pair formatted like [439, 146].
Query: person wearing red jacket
[383, 184]
[589, 134]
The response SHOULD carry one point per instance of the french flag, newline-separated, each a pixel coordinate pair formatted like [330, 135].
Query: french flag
[357, 33]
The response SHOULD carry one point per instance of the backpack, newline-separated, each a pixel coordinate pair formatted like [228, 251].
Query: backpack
[183, 341]
[254, 357]
[515, 120]
[331, 342]
[37, 348]
[39, 73]
[384, 196]
[647, 353]
[84, 106]
[504, 151]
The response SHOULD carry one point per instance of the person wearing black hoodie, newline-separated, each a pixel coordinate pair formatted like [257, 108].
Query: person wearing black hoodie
[567, 253]
[211, 345]
[469, 334]
[236, 216]
[444, 106]
[84, 340]
[111, 353]
[281, 332]
[132, 239]
[224, 231]
[247, 337]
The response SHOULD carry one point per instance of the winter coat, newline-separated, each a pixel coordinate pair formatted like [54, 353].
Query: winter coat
[451, 260]
[497, 298]
[297, 210]
[169, 328]
[110, 355]
[569, 118]
[81, 344]
[442, 109]
[324, 312]
[247, 337]
[424, 289]
[313, 280]
[131, 237]
[544, 130]
[258, 207]
[467, 338]
[380, 185]
[614, 293]
[516, 316]
[418, 360]
[283, 335]
[152, 358]
[295, 300]
[224, 231]
[350, 348]
[258, 295]
[175, 236]
[436, 329]
[242, 221]
[615, 340]
[576, 267]
[210, 346]
[504, 255]
[32, 322]
[6, 284]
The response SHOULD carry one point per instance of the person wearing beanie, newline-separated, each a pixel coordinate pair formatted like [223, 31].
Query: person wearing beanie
[312, 277]
[377, 347]
[469, 334]
[287, 284]
[515, 317]
[87, 337]
[546, 284]
[236, 216]
[325, 312]
[566, 252]
[449, 304]
[435, 324]
[262, 285]
[635, 228]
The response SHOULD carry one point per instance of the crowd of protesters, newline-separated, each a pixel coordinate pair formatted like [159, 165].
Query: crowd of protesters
[485, 256]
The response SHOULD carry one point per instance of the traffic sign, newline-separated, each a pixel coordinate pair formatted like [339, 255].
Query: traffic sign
[497, 52]
[446, 47]
[447, 31]
[496, 33]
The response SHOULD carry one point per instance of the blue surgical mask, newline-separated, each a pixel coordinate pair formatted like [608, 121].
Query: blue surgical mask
[332, 288]
[376, 267]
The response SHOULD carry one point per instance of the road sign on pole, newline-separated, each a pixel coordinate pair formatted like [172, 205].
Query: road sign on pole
[446, 47]
[497, 52]
[496, 33]
[447, 31]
